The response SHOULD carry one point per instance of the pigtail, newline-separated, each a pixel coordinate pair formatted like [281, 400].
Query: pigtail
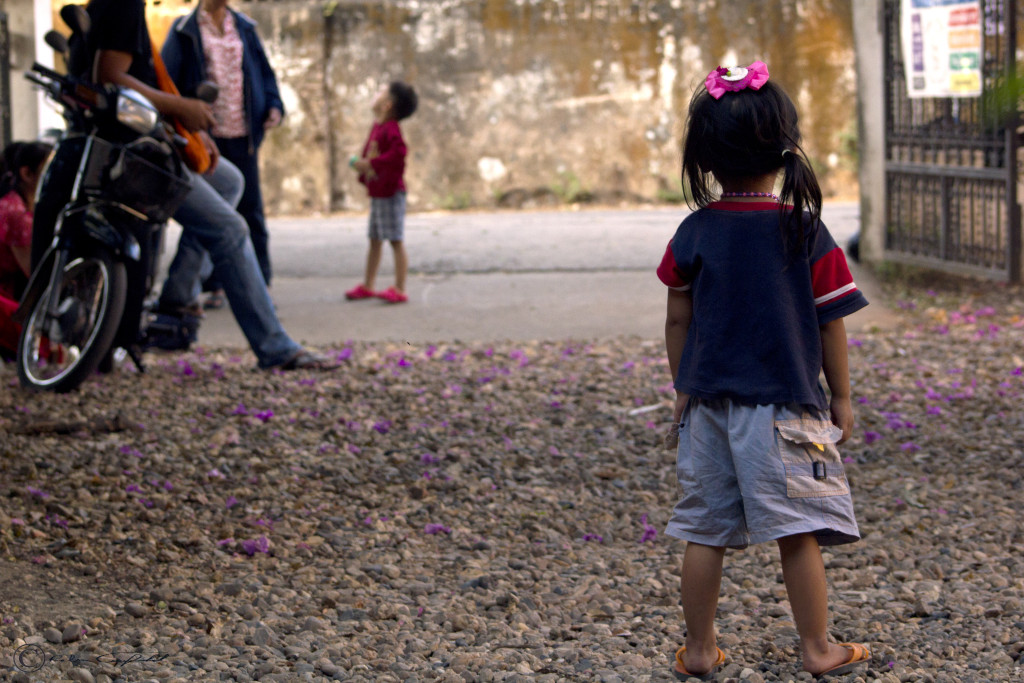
[697, 175]
[800, 188]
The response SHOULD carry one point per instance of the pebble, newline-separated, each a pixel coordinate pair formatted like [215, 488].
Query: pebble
[135, 609]
[472, 511]
[82, 675]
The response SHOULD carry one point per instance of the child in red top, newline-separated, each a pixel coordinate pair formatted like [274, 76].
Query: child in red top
[381, 168]
[22, 166]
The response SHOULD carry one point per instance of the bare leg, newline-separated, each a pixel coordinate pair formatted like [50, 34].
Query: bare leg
[804, 573]
[700, 583]
[372, 263]
[401, 264]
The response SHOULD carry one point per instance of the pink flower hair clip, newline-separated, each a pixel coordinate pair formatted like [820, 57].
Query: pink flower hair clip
[734, 79]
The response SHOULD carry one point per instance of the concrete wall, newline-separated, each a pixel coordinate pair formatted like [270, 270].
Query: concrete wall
[870, 45]
[527, 102]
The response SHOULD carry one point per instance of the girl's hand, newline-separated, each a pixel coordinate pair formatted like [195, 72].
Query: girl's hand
[841, 409]
[672, 438]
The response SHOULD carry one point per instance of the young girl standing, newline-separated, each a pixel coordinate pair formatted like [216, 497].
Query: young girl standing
[757, 294]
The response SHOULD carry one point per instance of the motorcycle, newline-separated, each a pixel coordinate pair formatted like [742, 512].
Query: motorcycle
[114, 179]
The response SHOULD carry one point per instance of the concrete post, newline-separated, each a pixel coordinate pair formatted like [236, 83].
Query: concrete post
[869, 41]
[24, 102]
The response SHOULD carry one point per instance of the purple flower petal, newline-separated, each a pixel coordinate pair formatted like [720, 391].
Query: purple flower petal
[650, 533]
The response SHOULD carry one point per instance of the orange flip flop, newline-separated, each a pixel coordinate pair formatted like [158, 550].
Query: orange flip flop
[682, 674]
[858, 655]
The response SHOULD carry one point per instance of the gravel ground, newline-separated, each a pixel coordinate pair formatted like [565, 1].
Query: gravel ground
[479, 512]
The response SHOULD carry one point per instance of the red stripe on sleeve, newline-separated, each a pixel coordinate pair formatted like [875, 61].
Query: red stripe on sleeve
[829, 275]
[668, 272]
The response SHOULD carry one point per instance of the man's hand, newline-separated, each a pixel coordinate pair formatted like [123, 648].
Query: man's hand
[841, 409]
[194, 114]
[273, 119]
[211, 149]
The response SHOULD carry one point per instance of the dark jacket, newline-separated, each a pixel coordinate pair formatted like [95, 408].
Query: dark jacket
[183, 54]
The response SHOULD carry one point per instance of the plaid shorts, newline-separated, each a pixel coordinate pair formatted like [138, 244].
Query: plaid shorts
[387, 217]
[752, 474]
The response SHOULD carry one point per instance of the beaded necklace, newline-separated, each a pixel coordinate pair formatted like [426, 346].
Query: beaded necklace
[769, 195]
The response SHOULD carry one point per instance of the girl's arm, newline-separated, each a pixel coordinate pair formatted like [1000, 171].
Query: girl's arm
[835, 363]
[677, 324]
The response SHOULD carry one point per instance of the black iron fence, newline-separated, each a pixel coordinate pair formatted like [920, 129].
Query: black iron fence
[952, 163]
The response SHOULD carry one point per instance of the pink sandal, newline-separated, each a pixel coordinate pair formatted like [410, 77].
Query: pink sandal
[360, 292]
[393, 296]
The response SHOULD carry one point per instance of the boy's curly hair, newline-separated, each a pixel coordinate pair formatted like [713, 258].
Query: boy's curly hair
[403, 98]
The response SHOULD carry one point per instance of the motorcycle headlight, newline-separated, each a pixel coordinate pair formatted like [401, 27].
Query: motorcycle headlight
[136, 112]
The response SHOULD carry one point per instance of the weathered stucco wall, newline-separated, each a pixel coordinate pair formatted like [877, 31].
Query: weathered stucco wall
[535, 101]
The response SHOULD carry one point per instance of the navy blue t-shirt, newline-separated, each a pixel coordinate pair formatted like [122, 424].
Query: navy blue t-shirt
[754, 335]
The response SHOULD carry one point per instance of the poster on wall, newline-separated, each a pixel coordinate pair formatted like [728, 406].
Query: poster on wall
[942, 47]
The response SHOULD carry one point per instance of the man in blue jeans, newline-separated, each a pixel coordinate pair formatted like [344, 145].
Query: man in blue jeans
[120, 41]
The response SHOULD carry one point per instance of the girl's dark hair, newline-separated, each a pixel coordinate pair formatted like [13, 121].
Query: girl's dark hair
[19, 155]
[746, 134]
[403, 98]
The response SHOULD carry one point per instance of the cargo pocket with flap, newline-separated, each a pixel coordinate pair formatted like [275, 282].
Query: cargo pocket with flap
[813, 466]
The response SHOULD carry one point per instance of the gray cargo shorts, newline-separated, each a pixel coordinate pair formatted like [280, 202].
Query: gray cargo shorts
[756, 473]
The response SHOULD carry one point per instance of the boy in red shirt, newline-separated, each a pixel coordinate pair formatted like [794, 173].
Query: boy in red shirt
[381, 168]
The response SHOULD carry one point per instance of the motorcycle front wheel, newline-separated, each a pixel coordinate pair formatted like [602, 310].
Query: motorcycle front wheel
[57, 352]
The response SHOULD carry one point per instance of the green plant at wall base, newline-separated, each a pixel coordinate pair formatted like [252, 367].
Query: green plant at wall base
[569, 189]
[671, 195]
[456, 201]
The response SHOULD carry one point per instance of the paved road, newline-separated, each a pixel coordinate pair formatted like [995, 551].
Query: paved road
[514, 275]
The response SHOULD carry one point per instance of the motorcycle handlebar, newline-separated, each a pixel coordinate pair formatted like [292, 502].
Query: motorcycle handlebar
[68, 89]
[47, 71]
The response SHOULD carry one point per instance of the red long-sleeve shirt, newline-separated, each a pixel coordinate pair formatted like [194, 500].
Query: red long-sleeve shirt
[386, 152]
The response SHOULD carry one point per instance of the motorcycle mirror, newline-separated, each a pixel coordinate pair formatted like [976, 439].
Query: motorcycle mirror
[208, 91]
[76, 18]
[57, 41]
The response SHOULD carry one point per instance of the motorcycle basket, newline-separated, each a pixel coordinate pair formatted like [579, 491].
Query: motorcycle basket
[146, 175]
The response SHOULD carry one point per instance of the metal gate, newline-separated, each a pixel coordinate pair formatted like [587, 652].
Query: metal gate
[952, 163]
